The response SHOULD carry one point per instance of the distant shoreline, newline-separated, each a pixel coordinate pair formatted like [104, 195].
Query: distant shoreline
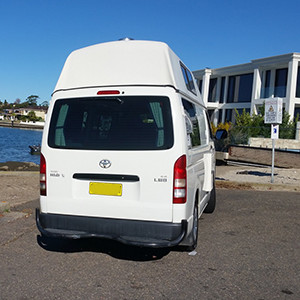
[18, 125]
[18, 166]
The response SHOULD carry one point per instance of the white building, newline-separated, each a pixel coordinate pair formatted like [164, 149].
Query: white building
[248, 85]
[39, 112]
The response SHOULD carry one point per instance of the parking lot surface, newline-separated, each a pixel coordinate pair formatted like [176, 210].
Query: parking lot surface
[248, 249]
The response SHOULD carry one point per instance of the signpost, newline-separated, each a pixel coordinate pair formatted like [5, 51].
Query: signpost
[273, 116]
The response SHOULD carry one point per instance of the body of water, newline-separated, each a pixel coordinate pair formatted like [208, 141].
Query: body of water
[15, 142]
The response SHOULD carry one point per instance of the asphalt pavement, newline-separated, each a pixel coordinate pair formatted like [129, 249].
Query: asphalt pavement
[247, 249]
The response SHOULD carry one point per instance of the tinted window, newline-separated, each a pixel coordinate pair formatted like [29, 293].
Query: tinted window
[212, 90]
[113, 123]
[298, 84]
[185, 77]
[192, 125]
[281, 82]
[222, 90]
[231, 89]
[245, 87]
[203, 125]
[188, 79]
[200, 85]
[191, 82]
[267, 90]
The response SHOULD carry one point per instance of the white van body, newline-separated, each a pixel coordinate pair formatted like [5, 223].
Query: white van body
[121, 115]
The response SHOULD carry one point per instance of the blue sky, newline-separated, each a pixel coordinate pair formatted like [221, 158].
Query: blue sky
[36, 36]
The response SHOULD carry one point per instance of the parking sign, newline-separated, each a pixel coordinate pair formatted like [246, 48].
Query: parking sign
[273, 111]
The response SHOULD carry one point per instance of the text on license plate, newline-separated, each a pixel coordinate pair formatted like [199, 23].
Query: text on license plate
[108, 189]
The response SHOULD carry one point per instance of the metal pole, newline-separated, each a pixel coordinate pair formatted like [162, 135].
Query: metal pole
[273, 159]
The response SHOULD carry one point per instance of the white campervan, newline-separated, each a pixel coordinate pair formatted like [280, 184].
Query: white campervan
[127, 151]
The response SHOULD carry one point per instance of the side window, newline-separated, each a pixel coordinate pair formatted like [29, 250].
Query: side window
[188, 79]
[192, 124]
[209, 126]
[185, 77]
[204, 125]
[191, 82]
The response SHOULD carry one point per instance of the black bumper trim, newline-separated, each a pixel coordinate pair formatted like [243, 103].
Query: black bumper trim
[130, 232]
[106, 177]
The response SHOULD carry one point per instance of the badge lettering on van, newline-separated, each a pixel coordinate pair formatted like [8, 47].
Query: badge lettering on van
[56, 174]
[161, 179]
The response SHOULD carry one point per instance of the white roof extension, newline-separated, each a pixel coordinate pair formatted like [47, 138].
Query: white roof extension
[121, 63]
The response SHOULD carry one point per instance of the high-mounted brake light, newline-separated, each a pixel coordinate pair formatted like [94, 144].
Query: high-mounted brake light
[179, 184]
[43, 187]
[110, 92]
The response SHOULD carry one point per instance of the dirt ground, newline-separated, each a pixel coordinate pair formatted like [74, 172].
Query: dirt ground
[18, 187]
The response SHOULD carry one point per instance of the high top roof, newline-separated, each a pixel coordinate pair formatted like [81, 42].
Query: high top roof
[121, 63]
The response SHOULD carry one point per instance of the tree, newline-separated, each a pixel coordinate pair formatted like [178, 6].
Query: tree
[32, 100]
[5, 104]
[31, 116]
[247, 125]
[288, 127]
[45, 104]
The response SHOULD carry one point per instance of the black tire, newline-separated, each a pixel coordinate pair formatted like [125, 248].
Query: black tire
[194, 232]
[211, 205]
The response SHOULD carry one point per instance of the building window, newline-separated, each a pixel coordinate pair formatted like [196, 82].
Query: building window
[211, 114]
[228, 115]
[297, 112]
[220, 116]
[281, 82]
[266, 92]
[298, 84]
[245, 87]
[212, 90]
[222, 99]
[231, 89]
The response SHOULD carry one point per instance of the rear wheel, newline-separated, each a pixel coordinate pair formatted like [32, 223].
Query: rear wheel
[211, 205]
[194, 232]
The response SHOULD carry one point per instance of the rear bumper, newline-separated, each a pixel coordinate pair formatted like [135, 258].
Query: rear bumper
[131, 232]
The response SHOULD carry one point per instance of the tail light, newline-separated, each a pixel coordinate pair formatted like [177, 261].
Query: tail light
[179, 185]
[43, 186]
[108, 92]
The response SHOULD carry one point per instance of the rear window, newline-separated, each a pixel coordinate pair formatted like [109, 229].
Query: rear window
[112, 123]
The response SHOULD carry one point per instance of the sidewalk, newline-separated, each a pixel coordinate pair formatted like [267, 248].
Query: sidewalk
[257, 178]
[20, 187]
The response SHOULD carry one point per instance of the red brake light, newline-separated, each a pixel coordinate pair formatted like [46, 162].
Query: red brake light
[110, 92]
[179, 184]
[43, 189]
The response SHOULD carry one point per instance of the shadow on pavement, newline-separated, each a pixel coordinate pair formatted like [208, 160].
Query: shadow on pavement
[255, 173]
[112, 248]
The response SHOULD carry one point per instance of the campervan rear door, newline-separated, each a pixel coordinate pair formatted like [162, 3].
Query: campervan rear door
[111, 157]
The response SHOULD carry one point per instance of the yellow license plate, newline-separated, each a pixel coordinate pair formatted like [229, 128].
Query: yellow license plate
[108, 189]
